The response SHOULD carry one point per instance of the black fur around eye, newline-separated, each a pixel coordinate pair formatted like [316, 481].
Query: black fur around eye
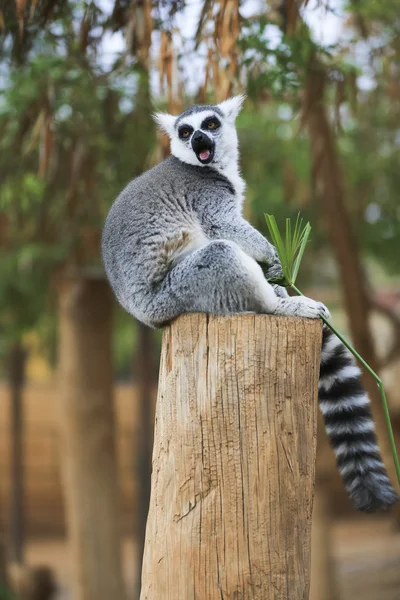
[185, 131]
[211, 123]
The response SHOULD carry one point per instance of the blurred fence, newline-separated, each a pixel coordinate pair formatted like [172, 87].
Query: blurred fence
[44, 508]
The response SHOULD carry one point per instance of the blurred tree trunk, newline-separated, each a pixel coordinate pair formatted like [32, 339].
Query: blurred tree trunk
[141, 27]
[328, 176]
[16, 361]
[330, 185]
[144, 440]
[31, 583]
[143, 368]
[3, 565]
[323, 578]
[88, 438]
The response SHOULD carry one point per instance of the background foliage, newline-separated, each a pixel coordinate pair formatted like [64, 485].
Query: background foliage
[76, 125]
[319, 134]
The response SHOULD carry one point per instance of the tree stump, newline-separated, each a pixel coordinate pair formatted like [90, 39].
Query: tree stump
[234, 460]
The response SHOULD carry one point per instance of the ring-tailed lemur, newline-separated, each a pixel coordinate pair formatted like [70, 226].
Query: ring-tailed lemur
[175, 241]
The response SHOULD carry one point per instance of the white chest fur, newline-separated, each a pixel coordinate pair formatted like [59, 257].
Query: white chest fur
[232, 173]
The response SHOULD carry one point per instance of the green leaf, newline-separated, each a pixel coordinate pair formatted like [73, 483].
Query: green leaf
[302, 246]
[290, 250]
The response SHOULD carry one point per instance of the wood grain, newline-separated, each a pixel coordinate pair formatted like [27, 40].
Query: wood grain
[234, 460]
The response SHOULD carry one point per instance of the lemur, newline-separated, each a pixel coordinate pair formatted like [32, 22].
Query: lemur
[175, 241]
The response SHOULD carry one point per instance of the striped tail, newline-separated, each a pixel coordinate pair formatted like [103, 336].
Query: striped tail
[349, 424]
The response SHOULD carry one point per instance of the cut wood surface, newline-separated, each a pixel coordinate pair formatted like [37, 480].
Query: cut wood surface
[234, 460]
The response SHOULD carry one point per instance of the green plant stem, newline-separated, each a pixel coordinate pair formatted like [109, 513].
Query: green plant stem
[379, 384]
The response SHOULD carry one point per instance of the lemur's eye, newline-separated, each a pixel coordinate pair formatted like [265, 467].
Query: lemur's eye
[185, 131]
[210, 123]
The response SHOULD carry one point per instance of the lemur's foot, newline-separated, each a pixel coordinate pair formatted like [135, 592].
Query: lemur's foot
[311, 309]
[301, 306]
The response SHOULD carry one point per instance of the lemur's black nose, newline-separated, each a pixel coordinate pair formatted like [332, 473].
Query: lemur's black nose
[199, 136]
[201, 141]
[203, 146]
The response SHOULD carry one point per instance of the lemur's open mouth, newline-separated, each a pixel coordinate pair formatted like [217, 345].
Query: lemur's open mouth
[203, 146]
[205, 156]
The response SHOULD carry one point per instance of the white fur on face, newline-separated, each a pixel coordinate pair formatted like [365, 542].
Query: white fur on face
[232, 106]
[226, 153]
[165, 122]
[182, 149]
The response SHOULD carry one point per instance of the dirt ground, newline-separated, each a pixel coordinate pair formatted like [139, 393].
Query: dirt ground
[367, 559]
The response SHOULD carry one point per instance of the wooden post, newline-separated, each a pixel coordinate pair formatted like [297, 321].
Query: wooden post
[88, 449]
[234, 460]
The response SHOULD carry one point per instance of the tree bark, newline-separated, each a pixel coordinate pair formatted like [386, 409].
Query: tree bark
[88, 438]
[144, 439]
[16, 378]
[234, 460]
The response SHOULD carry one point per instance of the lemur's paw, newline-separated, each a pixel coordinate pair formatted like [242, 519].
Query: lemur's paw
[272, 266]
[274, 272]
[324, 311]
[310, 309]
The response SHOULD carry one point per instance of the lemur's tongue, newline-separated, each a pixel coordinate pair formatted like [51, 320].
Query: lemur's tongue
[204, 154]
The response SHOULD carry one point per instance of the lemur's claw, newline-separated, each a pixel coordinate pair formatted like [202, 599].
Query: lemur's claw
[324, 311]
[308, 308]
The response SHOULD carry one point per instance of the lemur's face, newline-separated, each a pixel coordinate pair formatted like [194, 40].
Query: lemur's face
[199, 133]
[204, 134]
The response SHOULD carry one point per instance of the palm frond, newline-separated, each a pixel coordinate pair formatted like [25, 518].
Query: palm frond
[290, 250]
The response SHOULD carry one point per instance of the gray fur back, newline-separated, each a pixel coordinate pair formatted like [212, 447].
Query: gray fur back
[156, 219]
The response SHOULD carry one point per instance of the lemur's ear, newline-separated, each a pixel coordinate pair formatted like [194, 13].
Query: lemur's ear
[165, 122]
[232, 107]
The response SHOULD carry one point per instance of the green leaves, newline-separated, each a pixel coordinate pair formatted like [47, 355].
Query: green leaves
[290, 250]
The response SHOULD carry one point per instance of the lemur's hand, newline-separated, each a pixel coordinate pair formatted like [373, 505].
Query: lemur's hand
[273, 271]
[272, 257]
